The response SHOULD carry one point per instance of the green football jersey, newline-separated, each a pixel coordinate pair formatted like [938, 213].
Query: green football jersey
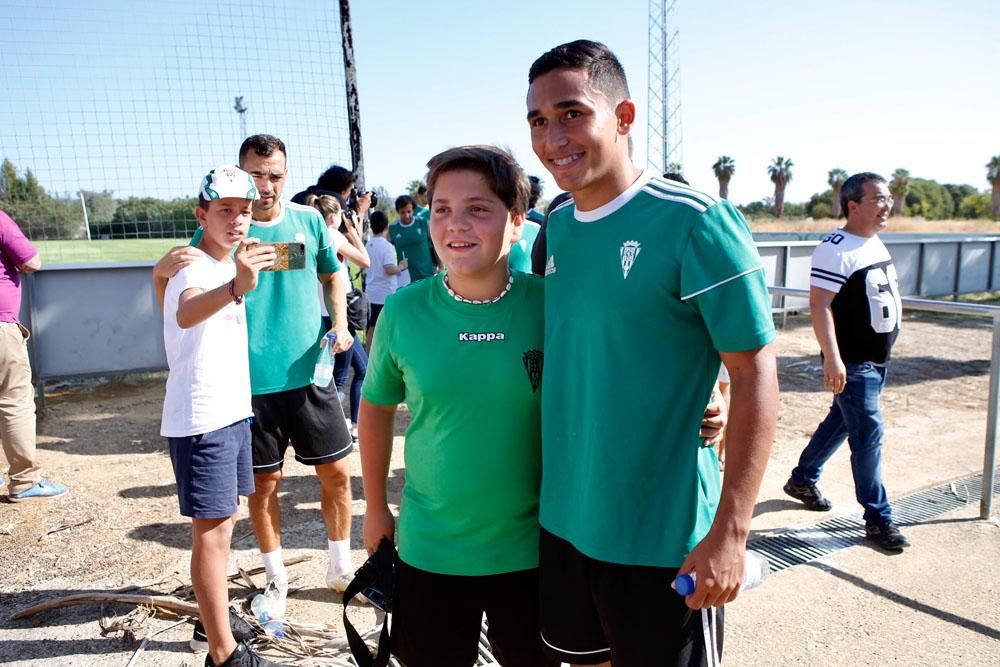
[641, 294]
[520, 253]
[414, 243]
[283, 315]
[471, 377]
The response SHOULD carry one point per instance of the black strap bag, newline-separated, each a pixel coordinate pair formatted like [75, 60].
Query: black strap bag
[358, 310]
[376, 580]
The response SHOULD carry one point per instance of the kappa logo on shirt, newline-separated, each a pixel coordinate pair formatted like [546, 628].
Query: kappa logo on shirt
[629, 252]
[480, 337]
[550, 266]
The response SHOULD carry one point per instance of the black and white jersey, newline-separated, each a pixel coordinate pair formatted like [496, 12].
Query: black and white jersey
[866, 310]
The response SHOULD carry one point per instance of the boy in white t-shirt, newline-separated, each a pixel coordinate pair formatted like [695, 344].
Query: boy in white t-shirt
[206, 410]
[383, 272]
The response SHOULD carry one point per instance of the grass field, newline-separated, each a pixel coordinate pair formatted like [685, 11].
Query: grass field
[100, 252]
[145, 250]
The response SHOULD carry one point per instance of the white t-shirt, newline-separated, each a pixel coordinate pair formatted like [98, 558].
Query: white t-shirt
[209, 382]
[380, 284]
[343, 275]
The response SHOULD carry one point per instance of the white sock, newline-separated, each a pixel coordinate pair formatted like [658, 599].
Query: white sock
[340, 556]
[274, 565]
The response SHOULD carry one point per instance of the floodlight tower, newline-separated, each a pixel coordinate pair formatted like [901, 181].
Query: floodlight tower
[663, 134]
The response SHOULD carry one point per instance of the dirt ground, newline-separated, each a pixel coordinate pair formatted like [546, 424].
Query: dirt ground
[119, 527]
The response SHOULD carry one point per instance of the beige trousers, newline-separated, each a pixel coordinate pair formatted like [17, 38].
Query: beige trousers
[17, 408]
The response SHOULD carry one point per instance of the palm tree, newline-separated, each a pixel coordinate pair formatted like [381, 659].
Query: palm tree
[724, 169]
[413, 186]
[899, 186]
[836, 179]
[780, 172]
[993, 176]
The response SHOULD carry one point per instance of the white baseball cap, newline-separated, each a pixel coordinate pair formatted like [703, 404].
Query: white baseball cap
[228, 181]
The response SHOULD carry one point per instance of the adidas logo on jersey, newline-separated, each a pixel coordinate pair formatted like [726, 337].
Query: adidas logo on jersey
[466, 337]
[550, 266]
[629, 252]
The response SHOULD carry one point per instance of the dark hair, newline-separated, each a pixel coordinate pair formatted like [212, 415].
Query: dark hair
[378, 221]
[336, 178]
[853, 188]
[403, 200]
[536, 190]
[502, 173]
[675, 176]
[263, 145]
[603, 68]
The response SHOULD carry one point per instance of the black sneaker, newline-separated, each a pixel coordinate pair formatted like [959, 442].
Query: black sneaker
[243, 656]
[887, 536]
[242, 632]
[809, 495]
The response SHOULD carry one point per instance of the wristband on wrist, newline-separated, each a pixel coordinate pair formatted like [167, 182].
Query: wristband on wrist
[232, 292]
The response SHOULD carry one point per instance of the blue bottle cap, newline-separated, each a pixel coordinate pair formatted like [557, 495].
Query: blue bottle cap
[684, 585]
[331, 336]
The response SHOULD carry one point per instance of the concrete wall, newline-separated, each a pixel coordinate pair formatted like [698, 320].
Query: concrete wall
[96, 320]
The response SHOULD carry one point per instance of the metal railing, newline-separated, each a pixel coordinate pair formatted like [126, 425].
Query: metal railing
[978, 310]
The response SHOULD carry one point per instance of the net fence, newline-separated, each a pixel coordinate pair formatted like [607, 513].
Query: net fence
[113, 111]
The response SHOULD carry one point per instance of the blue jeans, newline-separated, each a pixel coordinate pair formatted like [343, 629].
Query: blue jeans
[856, 414]
[357, 359]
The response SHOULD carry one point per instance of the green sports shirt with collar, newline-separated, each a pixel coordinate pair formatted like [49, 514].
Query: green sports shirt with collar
[641, 295]
[413, 242]
[471, 378]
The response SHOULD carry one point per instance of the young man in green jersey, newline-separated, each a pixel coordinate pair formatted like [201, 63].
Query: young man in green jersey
[647, 284]
[464, 350]
[413, 242]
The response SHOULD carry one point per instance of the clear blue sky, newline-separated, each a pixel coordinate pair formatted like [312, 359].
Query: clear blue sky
[857, 85]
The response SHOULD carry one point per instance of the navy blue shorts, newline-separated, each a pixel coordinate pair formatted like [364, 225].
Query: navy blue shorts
[212, 470]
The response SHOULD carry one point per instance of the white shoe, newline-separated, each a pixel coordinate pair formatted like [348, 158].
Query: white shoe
[337, 582]
[277, 590]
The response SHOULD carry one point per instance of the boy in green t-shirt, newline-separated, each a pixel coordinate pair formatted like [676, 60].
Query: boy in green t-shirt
[463, 349]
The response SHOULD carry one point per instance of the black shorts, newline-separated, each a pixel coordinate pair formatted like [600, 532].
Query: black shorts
[373, 316]
[438, 618]
[310, 418]
[593, 611]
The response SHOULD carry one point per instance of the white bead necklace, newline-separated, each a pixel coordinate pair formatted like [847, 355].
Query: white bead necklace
[478, 302]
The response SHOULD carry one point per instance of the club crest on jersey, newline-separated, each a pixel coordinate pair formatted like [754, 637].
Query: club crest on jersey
[480, 336]
[533, 364]
[629, 251]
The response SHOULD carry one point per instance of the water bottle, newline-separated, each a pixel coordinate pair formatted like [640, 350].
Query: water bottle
[269, 605]
[323, 373]
[755, 569]
[275, 628]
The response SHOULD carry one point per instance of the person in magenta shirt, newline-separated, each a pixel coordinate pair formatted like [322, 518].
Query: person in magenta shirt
[17, 395]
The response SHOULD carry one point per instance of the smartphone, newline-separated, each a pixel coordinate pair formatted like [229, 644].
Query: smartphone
[291, 256]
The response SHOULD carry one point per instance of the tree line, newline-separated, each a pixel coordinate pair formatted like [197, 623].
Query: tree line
[44, 216]
[916, 197]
